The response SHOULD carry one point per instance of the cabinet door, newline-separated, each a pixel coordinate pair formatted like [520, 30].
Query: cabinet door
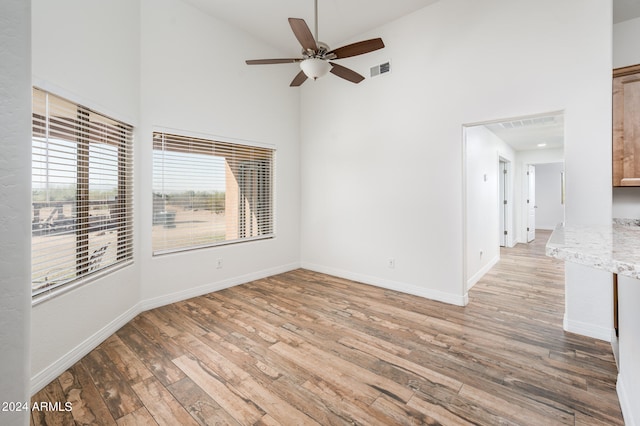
[626, 127]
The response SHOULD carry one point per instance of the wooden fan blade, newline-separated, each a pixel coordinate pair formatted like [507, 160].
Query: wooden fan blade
[298, 79]
[272, 61]
[346, 73]
[358, 48]
[303, 34]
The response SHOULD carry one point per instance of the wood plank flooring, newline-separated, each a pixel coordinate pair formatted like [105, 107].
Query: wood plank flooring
[305, 348]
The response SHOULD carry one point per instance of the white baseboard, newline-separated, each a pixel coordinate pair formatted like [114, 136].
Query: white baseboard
[216, 286]
[440, 296]
[44, 377]
[486, 268]
[625, 404]
[586, 329]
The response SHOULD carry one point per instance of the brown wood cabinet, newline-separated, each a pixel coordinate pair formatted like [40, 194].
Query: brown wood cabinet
[626, 126]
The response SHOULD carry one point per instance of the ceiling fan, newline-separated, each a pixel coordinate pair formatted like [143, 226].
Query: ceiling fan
[316, 55]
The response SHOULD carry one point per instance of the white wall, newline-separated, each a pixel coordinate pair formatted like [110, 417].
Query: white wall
[625, 43]
[176, 69]
[483, 152]
[550, 210]
[381, 161]
[193, 78]
[89, 51]
[629, 366]
[626, 51]
[626, 202]
[15, 208]
[70, 59]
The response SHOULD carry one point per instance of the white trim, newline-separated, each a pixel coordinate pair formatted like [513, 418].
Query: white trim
[625, 404]
[465, 231]
[440, 296]
[215, 286]
[46, 375]
[64, 288]
[478, 275]
[515, 118]
[615, 347]
[210, 136]
[586, 329]
[216, 244]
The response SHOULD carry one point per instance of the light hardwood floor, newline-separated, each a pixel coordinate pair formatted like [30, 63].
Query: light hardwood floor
[306, 348]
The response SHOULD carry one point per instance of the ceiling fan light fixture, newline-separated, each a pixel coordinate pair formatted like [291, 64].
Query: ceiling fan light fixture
[316, 55]
[315, 67]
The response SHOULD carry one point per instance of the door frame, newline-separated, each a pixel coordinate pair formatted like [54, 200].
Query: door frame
[530, 195]
[517, 191]
[505, 203]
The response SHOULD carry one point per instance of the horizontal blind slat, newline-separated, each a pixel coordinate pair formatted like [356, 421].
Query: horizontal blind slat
[209, 192]
[82, 192]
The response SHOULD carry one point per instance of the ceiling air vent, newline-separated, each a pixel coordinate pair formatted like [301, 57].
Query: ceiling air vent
[526, 122]
[381, 69]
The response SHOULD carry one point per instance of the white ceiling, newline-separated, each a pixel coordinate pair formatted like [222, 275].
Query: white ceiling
[527, 133]
[342, 20]
[339, 20]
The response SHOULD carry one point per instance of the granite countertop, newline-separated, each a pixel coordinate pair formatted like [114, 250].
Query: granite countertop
[614, 248]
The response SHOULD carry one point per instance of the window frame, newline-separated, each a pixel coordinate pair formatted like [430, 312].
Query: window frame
[82, 133]
[221, 144]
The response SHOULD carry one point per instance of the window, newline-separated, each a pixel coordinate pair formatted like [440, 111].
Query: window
[81, 192]
[208, 192]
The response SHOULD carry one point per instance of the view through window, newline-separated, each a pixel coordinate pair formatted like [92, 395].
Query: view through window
[208, 192]
[81, 192]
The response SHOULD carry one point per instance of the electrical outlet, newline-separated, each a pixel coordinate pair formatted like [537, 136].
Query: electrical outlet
[391, 263]
[219, 264]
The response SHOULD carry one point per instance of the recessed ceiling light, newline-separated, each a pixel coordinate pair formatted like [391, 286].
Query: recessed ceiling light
[540, 145]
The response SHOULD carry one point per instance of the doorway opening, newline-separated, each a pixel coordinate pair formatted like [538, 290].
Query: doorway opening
[503, 161]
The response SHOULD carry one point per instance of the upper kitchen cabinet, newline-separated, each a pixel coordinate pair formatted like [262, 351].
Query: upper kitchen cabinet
[626, 126]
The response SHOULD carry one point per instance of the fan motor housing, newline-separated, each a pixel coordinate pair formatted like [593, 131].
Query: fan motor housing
[321, 53]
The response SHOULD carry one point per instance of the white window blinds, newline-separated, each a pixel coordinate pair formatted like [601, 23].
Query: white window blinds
[208, 192]
[81, 192]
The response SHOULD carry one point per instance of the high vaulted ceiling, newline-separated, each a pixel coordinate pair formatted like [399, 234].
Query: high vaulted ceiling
[338, 20]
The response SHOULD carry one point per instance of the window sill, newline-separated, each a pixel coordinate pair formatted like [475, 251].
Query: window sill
[57, 291]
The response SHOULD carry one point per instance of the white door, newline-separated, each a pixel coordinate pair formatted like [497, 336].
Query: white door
[531, 203]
